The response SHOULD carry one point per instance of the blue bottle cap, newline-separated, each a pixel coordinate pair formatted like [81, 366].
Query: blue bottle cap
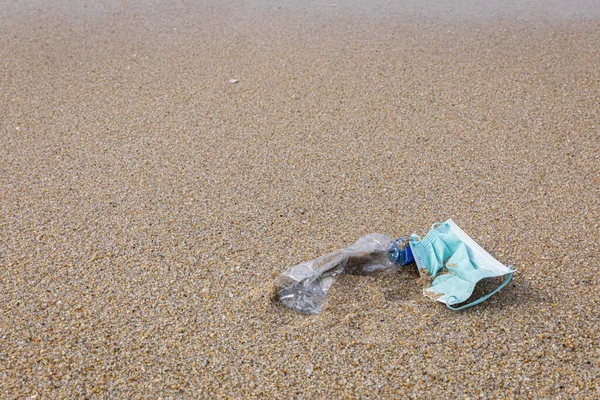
[400, 253]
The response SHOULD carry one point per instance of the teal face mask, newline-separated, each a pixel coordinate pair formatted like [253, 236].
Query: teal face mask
[456, 263]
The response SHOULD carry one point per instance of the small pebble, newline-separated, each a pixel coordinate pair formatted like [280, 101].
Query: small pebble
[309, 369]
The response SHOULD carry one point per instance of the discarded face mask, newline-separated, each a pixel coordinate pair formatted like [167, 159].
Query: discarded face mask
[304, 287]
[456, 263]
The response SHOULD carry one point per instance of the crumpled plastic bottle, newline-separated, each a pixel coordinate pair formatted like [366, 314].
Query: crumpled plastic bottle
[304, 287]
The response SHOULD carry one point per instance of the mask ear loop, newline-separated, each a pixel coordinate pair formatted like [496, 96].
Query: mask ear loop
[436, 225]
[481, 299]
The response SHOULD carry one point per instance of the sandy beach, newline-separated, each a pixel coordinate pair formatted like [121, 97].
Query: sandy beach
[147, 202]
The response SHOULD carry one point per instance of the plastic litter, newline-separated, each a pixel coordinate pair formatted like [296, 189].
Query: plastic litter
[304, 287]
[451, 260]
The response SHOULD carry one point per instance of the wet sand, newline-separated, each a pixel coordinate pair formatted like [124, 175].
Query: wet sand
[147, 203]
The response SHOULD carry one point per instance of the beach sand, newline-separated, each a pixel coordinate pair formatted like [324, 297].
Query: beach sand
[147, 203]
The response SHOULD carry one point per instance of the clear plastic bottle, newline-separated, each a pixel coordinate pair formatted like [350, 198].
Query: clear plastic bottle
[304, 287]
